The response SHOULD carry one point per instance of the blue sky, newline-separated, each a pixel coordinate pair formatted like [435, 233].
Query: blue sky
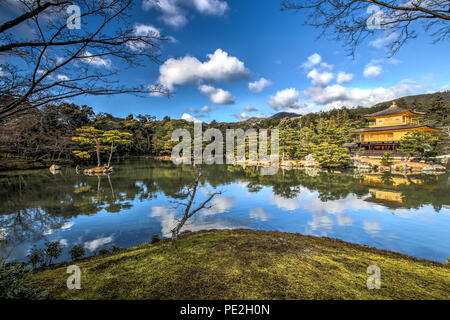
[221, 47]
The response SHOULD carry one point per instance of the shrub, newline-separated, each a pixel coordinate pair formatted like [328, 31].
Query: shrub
[77, 252]
[36, 257]
[102, 252]
[16, 283]
[115, 249]
[387, 160]
[155, 238]
[52, 251]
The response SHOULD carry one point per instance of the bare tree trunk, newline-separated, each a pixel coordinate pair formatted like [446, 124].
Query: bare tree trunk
[110, 154]
[97, 149]
[187, 212]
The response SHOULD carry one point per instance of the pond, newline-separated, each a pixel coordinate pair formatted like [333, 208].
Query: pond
[408, 214]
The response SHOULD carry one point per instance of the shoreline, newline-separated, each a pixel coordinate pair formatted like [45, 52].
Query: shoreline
[358, 163]
[249, 264]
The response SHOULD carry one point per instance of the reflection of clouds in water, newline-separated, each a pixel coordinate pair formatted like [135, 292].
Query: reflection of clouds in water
[65, 226]
[344, 220]
[351, 202]
[260, 214]
[48, 231]
[3, 233]
[285, 204]
[94, 244]
[321, 222]
[219, 205]
[167, 218]
[242, 184]
[372, 227]
[425, 214]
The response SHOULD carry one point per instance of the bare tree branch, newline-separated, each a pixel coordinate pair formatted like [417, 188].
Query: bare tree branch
[53, 62]
[397, 21]
[192, 191]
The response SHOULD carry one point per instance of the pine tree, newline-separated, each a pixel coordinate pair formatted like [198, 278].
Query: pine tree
[387, 159]
[115, 138]
[92, 138]
[421, 143]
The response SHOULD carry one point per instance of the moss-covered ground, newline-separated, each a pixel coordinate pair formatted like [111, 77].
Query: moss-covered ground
[248, 264]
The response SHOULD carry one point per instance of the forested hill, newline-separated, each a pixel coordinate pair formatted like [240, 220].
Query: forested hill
[47, 133]
[436, 105]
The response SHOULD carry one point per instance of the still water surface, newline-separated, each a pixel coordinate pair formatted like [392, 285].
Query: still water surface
[407, 214]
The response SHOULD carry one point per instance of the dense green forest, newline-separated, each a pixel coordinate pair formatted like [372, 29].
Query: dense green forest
[48, 133]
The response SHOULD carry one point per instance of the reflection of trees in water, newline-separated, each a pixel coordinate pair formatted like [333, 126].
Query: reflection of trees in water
[68, 195]
[30, 224]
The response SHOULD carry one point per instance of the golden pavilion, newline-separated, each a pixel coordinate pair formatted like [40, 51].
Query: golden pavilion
[386, 129]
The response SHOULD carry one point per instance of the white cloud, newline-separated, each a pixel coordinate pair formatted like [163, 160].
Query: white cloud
[382, 41]
[207, 109]
[143, 30]
[287, 98]
[241, 116]
[175, 12]
[259, 85]
[344, 77]
[372, 71]
[217, 95]
[319, 72]
[260, 214]
[97, 243]
[336, 96]
[311, 61]
[320, 78]
[202, 112]
[219, 66]
[188, 117]
[213, 7]
[90, 58]
[327, 94]
[249, 108]
[62, 77]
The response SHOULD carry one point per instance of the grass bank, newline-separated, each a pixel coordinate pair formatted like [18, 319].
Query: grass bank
[248, 264]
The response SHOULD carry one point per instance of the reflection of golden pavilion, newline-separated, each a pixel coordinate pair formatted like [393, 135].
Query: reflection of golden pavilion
[383, 196]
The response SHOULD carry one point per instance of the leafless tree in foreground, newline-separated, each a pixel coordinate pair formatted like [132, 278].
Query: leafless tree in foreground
[347, 21]
[45, 57]
[189, 212]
